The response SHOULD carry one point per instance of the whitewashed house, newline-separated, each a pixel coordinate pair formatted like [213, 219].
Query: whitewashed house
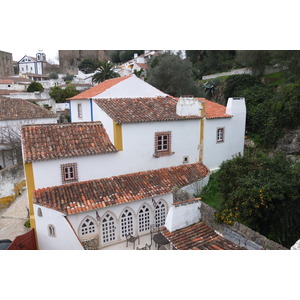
[13, 114]
[129, 146]
[105, 191]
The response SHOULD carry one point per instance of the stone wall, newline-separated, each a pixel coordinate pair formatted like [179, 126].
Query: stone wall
[91, 244]
[238, 233]
[6, 64]
[9, 178]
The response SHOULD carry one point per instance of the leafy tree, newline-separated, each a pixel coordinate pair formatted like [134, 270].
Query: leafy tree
[68, 77]
[57, 93]
[35, 87]
[173, 76]
[105, 71]
[262, 191]
[88, 65]
[70, 91]
[53, 75]
[255, 59]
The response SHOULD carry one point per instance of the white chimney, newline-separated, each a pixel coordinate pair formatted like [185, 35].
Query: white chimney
[236, 105]
[188, 106]
[183, 214]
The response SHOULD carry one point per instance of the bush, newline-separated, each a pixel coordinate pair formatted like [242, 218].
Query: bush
[35, 87]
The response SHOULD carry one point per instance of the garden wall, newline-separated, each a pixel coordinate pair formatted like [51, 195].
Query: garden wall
[238, 233]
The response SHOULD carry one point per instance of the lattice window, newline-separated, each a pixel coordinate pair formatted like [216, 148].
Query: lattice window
[160, 214]
[126, 223]
[79, 110]
[108, 229]
[69, 173]
[88, 227]
[144, 218]
[162, 143]
[220, 135]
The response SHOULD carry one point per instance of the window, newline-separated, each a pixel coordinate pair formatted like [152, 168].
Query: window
[69, 173]
[220, 135]
[39, 212]
[79, 110]
[162, 143]
[108, 229]
[160, 214]
[51, 230]
[87, 227]
[144, 218]
[126, 223]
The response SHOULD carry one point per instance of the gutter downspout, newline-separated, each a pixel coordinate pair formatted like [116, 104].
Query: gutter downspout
[91, 106]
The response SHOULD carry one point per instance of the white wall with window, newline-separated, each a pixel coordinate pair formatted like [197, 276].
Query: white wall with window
[224, 137]
[54, 231]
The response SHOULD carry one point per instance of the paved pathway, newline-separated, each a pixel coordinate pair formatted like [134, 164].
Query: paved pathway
[12, 219]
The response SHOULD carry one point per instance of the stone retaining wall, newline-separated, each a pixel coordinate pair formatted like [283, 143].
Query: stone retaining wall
[237, 233]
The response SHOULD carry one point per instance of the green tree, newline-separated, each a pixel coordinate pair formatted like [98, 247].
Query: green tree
[53, 75]
[173, 76]
[57, 93]
[262, 191]
[35, 87]
[257, 60]
[88, 65]
[105, 71]
[70, 91]
[68, 77]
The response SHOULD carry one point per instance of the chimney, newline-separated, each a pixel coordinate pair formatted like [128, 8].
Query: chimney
[188, 106]
[183, 214]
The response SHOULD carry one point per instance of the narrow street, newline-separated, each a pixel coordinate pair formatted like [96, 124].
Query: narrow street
[12, 219]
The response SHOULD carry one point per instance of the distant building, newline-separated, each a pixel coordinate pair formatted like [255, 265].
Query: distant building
[34, 65]
[6, 64]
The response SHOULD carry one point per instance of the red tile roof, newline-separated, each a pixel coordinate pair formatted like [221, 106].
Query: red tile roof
[214, 110]
[136, 110]
[6, 81]
[89, 195]
[100, 88]
[18, 109]
[54, 141]
[143, 66]
[198, 236]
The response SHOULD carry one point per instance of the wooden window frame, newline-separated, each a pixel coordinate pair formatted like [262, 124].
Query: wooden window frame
[223, 135]
[74, 178]
[159, 139]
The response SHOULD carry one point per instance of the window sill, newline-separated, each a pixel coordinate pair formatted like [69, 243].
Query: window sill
[161, 154]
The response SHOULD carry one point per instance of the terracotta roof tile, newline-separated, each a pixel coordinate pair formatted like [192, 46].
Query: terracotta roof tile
[18, 109]
[54, 141]
[199, 236]
[143, 66]
[136, 110]
[100, 88]
[6, 81]
[90, 195]
[214, 110]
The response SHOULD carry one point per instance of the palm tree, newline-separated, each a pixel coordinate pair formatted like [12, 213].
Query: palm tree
[105, 71]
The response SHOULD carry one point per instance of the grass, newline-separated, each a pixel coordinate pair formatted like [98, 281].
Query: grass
[211, 194]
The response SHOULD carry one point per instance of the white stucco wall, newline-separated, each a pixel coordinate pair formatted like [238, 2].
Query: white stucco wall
[64, 239]
[137, 154]
[214, 153]
[86, 110]
[183, 215]
[117, 211]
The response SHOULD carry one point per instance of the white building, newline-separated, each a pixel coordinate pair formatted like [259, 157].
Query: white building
[34, 65]
[13, 114]
[129, 145]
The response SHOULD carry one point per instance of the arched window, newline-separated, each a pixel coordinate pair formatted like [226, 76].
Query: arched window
[51, 230]
[126, 223]
[160, 213]
[144, 218]
[108, 228]
[87, 227]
